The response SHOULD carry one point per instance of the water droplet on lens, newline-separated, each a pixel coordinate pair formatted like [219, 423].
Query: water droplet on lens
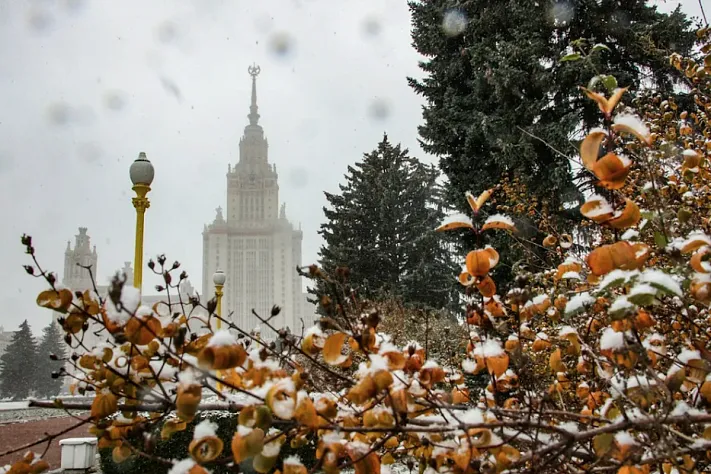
[171, 88]
[298, 177]
[60, 113]
[167, 32]
[379, 109]
[371, 26]
[454, 22]
[40, 20]
[562, 13]
[89, 152]
[114, 100]
[281, 44]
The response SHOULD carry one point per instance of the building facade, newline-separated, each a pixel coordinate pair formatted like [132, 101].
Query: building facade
[254, 243]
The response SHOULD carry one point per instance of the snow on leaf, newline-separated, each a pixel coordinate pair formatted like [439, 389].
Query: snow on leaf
[642, 294]
[616, 278]
[630, 234]
[182, 467]
[661, 281]
[204, 429]
[222, 338]
[632, 125]
[498, 221]
[620, 305]
[455, 221]
[578, 302]
[611, 340]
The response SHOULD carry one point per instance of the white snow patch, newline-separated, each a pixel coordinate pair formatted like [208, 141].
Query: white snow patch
[499, 218]
[578, 302]
[490, 348]
[629, 234]
[621, 304]
[182, 467]
[659, 279]
[633, 122]
[453, 218]
[624, 438]
[129, 302]
[204, 429]
[611, 340]
[222, 338]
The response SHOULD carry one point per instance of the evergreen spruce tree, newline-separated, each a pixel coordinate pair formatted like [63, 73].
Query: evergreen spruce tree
[18, 365]
[381, 227]
[492, 70]
[51, 343]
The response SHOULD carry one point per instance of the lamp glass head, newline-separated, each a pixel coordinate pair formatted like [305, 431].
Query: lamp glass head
[142, 171]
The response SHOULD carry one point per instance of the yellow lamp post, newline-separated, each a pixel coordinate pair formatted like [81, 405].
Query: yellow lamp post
[141, 173]
[218, 278]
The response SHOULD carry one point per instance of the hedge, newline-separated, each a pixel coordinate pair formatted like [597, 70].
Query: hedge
[177, 447]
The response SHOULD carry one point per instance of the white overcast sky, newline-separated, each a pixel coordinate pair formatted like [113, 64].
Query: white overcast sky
[86, 85]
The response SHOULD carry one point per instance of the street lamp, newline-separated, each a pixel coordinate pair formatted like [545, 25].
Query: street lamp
[141, 173]
[218, 278]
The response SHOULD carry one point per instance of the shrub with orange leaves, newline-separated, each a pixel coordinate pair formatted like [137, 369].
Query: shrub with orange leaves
[598, 364]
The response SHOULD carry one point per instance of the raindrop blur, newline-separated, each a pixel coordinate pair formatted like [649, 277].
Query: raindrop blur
[562, 13]
[379, 109]
[298, 177]
[89, 152]
[281, 44]
[40, 20]
[454, 22]
[167, 32]
[371, 26]
[171, 88]
[114, 100]
[60, 113]
[74, 6]
[6, 162]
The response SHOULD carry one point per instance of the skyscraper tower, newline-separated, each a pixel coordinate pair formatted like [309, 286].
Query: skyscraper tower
[255, 245]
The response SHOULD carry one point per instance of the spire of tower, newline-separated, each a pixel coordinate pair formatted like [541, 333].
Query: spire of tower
[254, 71]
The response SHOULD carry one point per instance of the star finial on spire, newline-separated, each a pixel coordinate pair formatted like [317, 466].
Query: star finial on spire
[254, 71]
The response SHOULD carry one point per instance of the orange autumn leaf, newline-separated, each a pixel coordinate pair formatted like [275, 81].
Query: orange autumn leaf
[486, 287]
[701, 260]
[498, 221]
[59, 300]
[590, 147]
[466, 279]
[597, 209]
[629, 217]
[104, 404]
[223, 357]
[612, 170]
[609, 257]
[247, 443]
[364, 464]
[555, 362]
[142, 330]
[550, 241]
[606, 105]
[332, 350]
[479, 262]
[477, 203]
[306, 412]
[205, 449]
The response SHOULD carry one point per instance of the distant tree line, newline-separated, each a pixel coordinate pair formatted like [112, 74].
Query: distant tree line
[26, 366]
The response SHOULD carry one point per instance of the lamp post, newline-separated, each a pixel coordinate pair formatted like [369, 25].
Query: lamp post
[141, 173]
[218, 278]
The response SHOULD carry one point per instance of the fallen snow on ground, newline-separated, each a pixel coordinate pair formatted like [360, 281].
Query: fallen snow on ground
[14, 405]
